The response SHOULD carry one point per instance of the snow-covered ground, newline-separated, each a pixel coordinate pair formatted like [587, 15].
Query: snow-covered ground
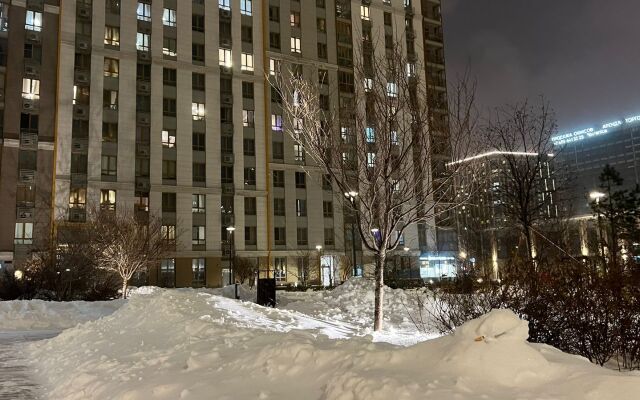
[189, 344]
[23, 315]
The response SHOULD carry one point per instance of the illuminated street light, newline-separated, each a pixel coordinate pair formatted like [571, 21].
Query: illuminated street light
[318, 247]
[231, 228]
[595, 195]
[406, 249]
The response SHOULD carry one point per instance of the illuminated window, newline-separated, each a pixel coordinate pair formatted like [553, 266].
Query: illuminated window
[370, 134]
[392, 89]
[30, 88]
[142, 41]
[295, 45]
[143, 11]
[111, 67]
[168, 138]
[246, 62]
[274, 67]
[112, 36]
[78, 198]
[197, 111]
[169, 17]
[23, 233]
[371, 160]
[411, 69]
[224, 57]
[294, 19]
[368, 84]
[276, 122]
[198, 235]
[33, 21]
[246, 7]
[168, 232]
[224, 4]
[247, 118]
[169, 47]
[107, 199]
[198, 268]
[298, 152]
[364, 13]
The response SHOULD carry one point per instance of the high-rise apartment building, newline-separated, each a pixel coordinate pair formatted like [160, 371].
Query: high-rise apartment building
[489, 233]
[164, 107]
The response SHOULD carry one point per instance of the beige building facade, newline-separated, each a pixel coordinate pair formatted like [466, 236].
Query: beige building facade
[164, 107]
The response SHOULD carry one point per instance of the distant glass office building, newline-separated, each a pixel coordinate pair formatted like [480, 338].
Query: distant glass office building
[583, 155]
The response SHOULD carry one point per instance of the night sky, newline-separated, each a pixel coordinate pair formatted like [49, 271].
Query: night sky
[582, 55]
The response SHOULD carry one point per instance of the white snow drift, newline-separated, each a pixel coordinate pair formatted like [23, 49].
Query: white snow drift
[184, 344]
[21, 315]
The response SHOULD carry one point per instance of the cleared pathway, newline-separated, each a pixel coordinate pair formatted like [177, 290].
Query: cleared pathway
[16, 379]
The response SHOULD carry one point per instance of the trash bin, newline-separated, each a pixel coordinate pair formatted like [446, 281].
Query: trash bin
[267, 292]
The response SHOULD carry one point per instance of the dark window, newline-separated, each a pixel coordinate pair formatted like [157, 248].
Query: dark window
[322, 51]
[168, 202]
[250, 176]
[246, 33]
[169, 107]
[249, 147]
[29, 123]
[279, 235]
[197, 81]
[278, 150]
[278, 178]
[199, 172]
[274, 13]
[143, 72]
[197, 52]
[250, 206]
[197, 22]
[278, 207]
[301, 180]
[168, 169]
[226, 144]
[198, 141]
[302, 236]
[250, 235]
[274, 40]
[247, 90]
[226, 174]
[169, 76]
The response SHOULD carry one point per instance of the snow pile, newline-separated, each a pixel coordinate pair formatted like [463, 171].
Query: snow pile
[245, 292]
[23, 315]
[353, 301]
[184, 344]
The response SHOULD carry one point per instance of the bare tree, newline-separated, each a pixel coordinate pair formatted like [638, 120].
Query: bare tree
[244, 270]
[522, 133]
[125, 243]
[383, 146]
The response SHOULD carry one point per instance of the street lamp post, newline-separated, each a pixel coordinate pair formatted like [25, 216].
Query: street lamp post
[231, 229]
[595, 195]
[352, 197]
[319, 249]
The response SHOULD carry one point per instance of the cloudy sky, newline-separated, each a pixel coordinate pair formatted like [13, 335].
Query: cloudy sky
[582, 55]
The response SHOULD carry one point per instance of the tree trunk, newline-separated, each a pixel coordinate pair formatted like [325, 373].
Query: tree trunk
[125, 284]
[379, 291]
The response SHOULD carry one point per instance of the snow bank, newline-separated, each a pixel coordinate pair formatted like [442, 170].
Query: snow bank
[50, 315]
[353, 301]
[182, 344]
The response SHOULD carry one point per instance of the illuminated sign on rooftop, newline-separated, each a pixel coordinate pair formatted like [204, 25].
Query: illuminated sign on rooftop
[591, 132]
